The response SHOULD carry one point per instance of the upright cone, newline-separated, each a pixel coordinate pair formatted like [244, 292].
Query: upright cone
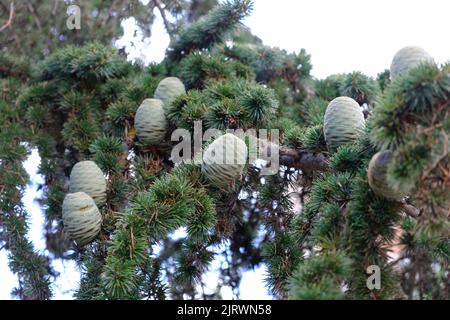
[377, 176]
[406, 59]
[81, 218]
[168, 89]
[150, 122]
[87, 177]
[224, 160]
[343, 121]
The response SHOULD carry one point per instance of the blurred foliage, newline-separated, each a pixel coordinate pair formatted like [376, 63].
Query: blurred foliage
[39, 27]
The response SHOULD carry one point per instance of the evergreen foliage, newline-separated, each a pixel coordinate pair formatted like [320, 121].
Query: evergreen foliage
[316, 225]
[206, 32]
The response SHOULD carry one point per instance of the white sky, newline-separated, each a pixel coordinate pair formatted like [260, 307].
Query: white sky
[349, 35]
[342, 36]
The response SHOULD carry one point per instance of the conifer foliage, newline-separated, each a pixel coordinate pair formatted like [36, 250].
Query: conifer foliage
[348, 194]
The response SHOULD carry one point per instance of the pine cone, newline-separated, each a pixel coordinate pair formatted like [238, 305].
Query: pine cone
[377, 176]
[81, 217]
[343, 121]
[87, 177]
[224, 160]
[168, 89]
[406, 59]
[150, 122]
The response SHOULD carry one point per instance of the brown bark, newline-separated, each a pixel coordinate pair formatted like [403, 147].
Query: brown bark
[306, 161]
[12, 14]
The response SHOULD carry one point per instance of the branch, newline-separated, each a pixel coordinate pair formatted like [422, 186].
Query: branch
[16, 38]
[410, 210]
[210, 30]
[34, 14]
[306, 161]
[158, 4]
[55, 7]
[12, 15]
[311, 161]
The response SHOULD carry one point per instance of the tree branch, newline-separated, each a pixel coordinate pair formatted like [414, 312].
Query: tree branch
[35, 15]
[306, 161]
[158, 4]
[55, 7]
[311, 161]
[12, 15]
[411, 211]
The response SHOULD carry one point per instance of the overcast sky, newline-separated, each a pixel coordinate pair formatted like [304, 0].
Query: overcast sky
[341, 36]
[349, 35]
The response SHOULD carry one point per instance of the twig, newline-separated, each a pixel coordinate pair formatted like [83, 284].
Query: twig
[14, 34]
[12, 15]
[55, 7]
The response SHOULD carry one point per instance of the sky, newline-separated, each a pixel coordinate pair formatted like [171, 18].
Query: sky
[353, 35]
[341, 36]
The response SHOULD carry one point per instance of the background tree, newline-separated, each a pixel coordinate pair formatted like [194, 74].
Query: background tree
[37, 28]
[317, 224]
